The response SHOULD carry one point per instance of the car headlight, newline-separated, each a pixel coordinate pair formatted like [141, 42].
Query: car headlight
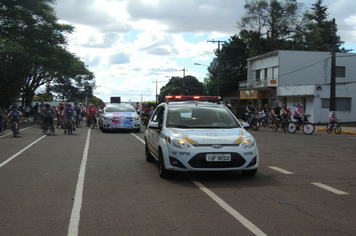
[180, 143]
[248, 143]
[136, 117]
[107, 118]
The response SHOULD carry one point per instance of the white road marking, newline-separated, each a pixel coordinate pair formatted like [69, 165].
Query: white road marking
[249, 225]
[73, 228]
[331, 189]
[24, 149]
[142, 141]
[20, 130]
[280, 170]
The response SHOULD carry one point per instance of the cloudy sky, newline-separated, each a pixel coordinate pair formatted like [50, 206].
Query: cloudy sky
[131, 44]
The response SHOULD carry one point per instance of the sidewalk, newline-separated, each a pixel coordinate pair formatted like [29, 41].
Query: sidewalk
[344, 129]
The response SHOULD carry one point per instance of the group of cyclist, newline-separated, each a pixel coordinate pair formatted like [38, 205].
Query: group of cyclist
[45, 114]
[282, 113]
[277, 112]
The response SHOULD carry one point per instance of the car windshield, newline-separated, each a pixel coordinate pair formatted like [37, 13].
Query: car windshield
[201, 117]
[119, 109]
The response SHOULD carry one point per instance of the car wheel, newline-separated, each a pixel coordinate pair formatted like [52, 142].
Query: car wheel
[162, 171]
[103, 130]
[249, 172]
[138, 130]
[148, 155]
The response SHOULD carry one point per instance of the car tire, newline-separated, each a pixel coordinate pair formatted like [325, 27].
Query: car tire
[249, 172]
[162, 171]
[148, 155]
[103, 130]
[138, 130]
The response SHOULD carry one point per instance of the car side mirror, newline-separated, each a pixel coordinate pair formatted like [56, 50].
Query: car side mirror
[153, 126]
[245, 125]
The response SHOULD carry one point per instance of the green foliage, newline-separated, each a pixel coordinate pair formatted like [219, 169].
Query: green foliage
[189, 85]
[43, 96]
[33, 53]
[149, 104]
[96, 101]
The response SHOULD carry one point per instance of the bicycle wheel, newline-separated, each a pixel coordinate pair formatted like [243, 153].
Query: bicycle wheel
[329, 129]
[255, 124]
[269, 123]
[48, 129]
[292, 127]
[14, 129]
[275, 126]
[337, 130]
[69, 128]
[308, 128]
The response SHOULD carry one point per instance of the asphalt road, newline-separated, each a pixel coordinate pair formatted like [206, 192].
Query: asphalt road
[305, 185]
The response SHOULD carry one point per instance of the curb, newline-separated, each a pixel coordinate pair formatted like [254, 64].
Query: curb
[343, 132]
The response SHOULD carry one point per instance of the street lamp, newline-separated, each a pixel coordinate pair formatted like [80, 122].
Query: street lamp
[198, 64]
[332, 106]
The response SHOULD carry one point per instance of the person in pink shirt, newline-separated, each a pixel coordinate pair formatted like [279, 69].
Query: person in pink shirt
[298, 112]
[333, 118]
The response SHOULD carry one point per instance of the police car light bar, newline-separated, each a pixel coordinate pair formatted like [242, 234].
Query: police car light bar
[186, 97]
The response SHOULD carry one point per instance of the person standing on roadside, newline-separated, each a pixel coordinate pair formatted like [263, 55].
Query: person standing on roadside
[27, 112]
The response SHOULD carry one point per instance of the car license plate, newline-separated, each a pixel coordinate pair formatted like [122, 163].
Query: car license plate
[218, 157]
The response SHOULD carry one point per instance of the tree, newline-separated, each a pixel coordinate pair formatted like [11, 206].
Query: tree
[270, 20]
[43, 96]
[192, 86]
[96, 101]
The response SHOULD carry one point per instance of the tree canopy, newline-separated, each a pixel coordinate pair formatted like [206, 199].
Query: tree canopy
[33, 51]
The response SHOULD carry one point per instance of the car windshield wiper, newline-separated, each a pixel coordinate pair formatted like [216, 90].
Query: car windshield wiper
[180, 126]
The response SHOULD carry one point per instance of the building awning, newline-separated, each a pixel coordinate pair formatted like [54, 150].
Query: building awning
[296, 91]
[254, 94]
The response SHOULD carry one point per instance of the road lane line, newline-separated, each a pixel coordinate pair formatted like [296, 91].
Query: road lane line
[280, 170]
[24, 149]
[73, 228]
[138, 138]
[249, 225]
[331, 189]
[21, 130]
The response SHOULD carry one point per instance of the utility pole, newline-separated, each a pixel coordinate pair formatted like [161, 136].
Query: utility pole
[218, 82]
[183, 80]
[333, 67]
[157, 89]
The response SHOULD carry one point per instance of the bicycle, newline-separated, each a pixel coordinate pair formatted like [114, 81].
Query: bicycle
[49, 128]
[253, 122]
[92, 122]
[77, 122]
[14, 126]
[307, 127]
[266, 121]
[69, 128]
[335, 127]
[283, 123]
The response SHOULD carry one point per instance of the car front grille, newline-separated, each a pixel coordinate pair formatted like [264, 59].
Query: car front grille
[199, 161]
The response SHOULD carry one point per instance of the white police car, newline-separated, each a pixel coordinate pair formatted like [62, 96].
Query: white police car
[193, 135]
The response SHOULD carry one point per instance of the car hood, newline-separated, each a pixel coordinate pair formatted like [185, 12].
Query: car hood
[211, 136]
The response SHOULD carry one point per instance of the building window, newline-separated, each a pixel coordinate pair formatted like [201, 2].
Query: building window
[341, 104]
[266, 73]
[340, 71]
[258, 74]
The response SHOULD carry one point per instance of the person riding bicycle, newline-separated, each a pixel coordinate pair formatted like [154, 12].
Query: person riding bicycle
[60, 110]
[298, 112]
[48, 115]
[286, 113]
[276, 112]
[2, 115]
[69, 112]
[333, 119]
[249, 110]
[78, 111]
[91, 114]
[14, 115]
